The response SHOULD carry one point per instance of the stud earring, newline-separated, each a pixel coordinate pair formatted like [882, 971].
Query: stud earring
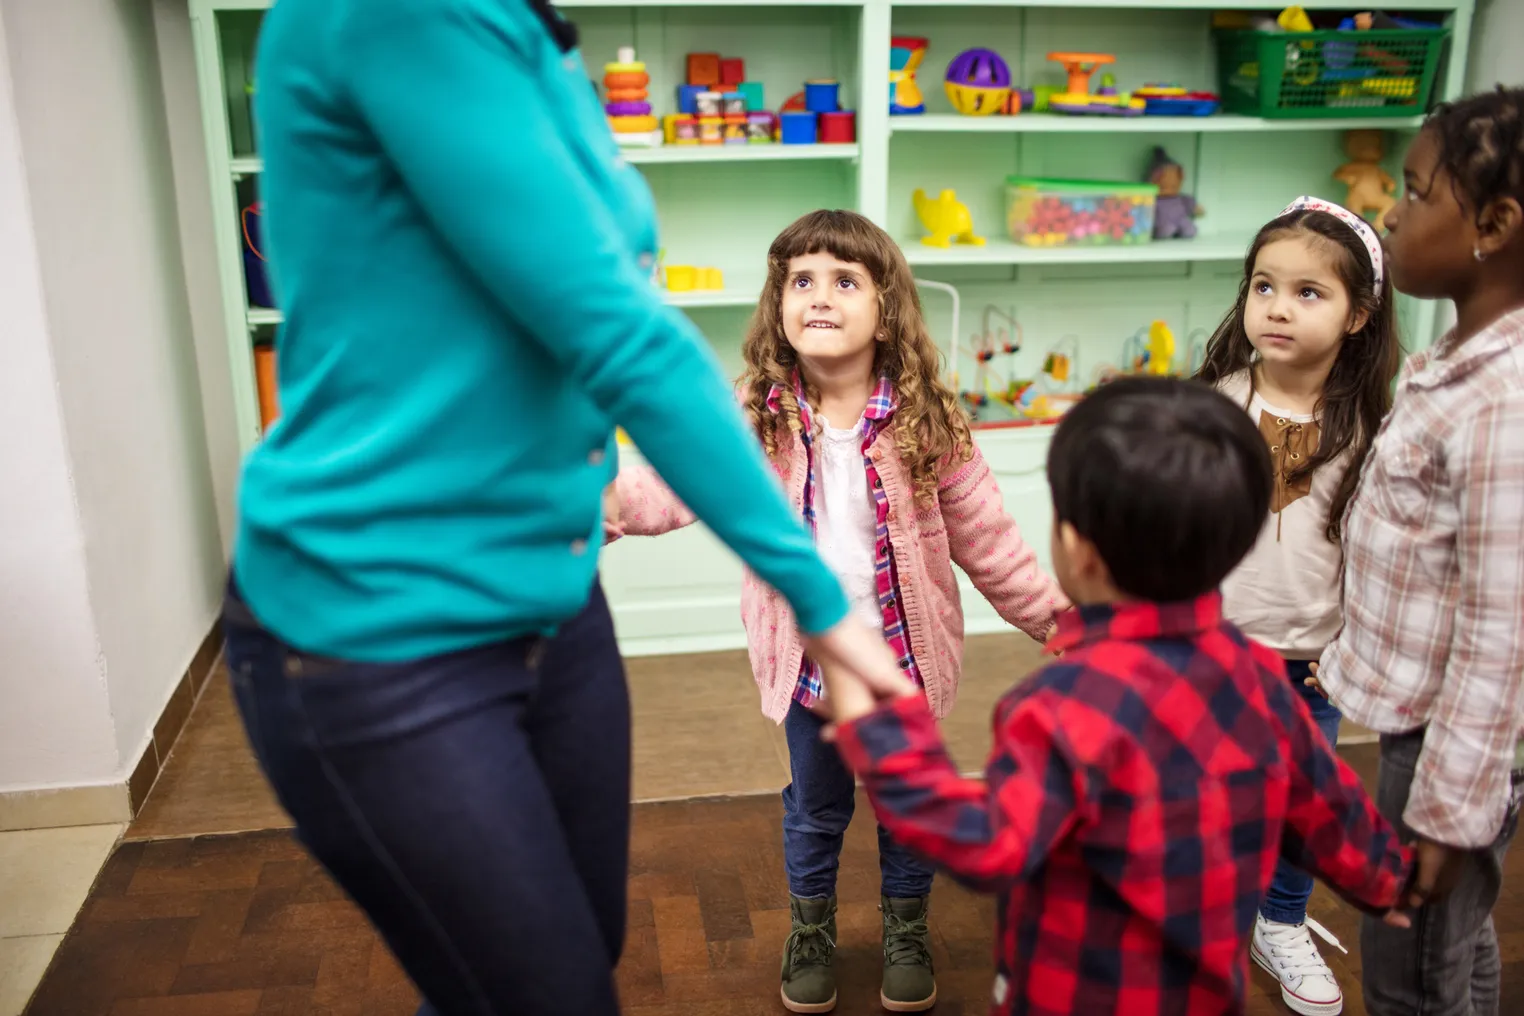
[1476, 252]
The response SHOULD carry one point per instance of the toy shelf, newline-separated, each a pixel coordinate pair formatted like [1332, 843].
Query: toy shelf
[1047, 123]
[253, 165]
[998, 251]
[1198, 5]
[721, 206]
[738, 153]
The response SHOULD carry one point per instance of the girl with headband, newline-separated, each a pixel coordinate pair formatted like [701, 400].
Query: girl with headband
[1309, 350]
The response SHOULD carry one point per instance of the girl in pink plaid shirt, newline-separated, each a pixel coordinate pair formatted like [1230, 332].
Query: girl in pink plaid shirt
[842, 386]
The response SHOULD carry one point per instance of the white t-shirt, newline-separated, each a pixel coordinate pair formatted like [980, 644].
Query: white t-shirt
[846, 521]
[1285, 593]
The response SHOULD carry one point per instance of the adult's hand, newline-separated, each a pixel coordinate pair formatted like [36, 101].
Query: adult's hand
[859, 670]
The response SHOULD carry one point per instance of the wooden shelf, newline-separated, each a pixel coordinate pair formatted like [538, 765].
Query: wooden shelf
[1004, 252]
[1056, 123]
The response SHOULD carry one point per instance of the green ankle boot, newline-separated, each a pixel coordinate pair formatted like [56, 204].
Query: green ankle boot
[908, 983]
[809, 983]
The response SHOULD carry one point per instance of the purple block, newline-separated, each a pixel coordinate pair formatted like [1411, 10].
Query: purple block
[628, 109]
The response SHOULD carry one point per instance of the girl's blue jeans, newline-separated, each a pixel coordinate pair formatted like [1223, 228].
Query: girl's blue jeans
[817, 808]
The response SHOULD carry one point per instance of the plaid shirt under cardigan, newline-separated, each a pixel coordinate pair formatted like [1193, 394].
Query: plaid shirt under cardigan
[876, 416]
[1138, 796]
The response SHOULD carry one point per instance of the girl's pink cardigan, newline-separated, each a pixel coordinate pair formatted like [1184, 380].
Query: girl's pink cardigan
[968, 525]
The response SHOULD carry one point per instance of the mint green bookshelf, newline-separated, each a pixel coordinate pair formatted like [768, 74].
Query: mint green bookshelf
[723, 206]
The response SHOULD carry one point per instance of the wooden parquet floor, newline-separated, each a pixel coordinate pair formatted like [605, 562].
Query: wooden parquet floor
[248, 925]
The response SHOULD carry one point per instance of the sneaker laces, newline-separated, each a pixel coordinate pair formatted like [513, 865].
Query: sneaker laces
[905, 941]
[1293, 949]
[809, 945]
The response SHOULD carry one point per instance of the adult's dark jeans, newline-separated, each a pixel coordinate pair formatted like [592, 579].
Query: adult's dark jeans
[476, 805]
[1448, 963]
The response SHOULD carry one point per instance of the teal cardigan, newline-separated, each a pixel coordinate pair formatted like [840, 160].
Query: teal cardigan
[464, 260]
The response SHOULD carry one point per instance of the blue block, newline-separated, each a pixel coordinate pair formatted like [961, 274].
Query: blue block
[798, 128]
[687, 98]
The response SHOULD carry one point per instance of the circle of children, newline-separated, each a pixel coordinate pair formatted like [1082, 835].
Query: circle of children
[1238, 560]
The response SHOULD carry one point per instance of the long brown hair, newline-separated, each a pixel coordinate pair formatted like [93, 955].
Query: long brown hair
[929, 425]
[1358, 392]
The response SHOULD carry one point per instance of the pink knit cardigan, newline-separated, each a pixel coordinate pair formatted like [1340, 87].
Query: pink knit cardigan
[967, 525]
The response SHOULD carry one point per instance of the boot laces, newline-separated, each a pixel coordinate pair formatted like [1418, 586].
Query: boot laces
[809, 945]
[905, 941]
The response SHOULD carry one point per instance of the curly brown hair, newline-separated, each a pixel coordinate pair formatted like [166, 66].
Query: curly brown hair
[929, 425]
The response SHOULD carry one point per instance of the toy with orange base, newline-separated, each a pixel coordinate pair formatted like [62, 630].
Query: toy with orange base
[1077, 98]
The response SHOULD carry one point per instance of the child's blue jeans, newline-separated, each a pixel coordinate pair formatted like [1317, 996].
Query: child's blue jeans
[1286, 902]
[817, 808]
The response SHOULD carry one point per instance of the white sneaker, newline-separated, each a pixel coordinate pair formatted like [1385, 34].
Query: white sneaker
[1288, 952]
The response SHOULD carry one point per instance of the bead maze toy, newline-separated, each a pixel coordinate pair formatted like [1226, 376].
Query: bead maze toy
[946, 218]
[978, 82]
[628, 108]
[905, 55]
[1077, 99]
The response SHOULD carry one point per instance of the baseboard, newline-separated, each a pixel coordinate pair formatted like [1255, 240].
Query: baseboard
[98, 804]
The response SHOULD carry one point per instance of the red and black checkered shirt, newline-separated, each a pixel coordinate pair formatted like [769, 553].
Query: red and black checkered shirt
[1138, 795]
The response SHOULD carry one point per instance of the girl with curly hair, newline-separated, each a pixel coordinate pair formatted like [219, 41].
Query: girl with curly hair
[842, 387]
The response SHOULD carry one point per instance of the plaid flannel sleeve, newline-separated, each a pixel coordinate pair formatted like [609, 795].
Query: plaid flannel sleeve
[985, 832]
[1333, 829]
[1461, 786]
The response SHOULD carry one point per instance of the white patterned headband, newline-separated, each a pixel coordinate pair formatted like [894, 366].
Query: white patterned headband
[1361, 228]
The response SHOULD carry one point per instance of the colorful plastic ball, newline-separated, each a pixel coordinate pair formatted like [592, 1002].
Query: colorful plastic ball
[978, 82]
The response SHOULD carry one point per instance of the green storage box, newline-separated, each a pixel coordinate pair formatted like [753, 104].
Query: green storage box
[1296, 75]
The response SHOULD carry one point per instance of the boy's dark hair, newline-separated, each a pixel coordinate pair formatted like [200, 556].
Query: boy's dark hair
[1481, 146]
[1168, 478]
[1358, 392]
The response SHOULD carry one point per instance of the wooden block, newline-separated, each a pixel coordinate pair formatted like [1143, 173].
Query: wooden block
[704, 69]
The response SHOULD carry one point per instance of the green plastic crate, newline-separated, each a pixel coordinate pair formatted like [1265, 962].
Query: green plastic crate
[1296, 75]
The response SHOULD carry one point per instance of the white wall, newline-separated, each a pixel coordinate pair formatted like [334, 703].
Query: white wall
[90, 105]
[55, 721]
[1497, 45]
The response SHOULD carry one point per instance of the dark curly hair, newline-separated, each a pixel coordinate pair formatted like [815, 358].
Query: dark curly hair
[1481, 146]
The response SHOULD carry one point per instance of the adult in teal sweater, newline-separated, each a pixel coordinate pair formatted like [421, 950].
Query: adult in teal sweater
[422, 656]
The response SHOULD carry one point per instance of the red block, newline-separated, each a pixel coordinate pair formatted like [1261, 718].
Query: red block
[732, 71]
[704, 69]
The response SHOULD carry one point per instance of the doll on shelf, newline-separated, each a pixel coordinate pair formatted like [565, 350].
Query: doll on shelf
[1173, 211]
[1370, 188]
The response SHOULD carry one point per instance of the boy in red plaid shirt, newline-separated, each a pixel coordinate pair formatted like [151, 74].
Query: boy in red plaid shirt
[1142, 787]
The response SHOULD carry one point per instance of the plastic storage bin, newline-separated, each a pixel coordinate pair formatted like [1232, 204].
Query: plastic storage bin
[1042, 212]
[1296, 75]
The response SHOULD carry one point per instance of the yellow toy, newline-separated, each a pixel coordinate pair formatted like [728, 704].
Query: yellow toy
[1370, 188]
[1161, 349]
[1294, 19]
[946, 218]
